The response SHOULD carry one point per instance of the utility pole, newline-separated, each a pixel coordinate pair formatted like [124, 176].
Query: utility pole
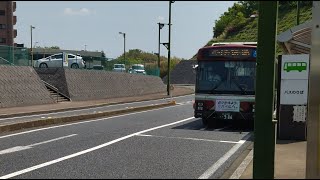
[298, 12]
[264, 127]
[31, 48]
[169, 48]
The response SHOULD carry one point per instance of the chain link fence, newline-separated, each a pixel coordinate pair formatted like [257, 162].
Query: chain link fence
[20, 56]
[16, 56]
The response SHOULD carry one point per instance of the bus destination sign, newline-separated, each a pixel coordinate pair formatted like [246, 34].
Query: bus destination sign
[233, 52]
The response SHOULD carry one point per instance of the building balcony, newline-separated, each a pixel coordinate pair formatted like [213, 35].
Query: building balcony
[14, 6]
[14, 22]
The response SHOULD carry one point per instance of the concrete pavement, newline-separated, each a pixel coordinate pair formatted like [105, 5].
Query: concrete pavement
[290, 161]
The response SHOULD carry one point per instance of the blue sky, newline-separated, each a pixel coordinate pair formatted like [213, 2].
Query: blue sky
[74, 24]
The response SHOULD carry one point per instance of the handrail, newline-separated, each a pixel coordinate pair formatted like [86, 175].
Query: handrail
[55, 89]
[6, 60]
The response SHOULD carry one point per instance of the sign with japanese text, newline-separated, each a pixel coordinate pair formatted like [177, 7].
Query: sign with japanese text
[227, 105]
[294, 79]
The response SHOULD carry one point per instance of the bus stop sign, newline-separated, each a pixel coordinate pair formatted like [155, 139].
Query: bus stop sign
[294, 79]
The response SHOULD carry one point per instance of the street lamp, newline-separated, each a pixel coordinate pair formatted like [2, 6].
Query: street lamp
[31, 27]
[169, 44]
[124, 47]
[85, 47]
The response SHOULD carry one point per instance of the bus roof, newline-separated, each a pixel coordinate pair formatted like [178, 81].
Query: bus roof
[234, 43]
[229, 46]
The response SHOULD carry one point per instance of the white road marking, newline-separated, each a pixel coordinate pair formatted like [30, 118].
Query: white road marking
[87, 150]
[83, 122]
[223, 159]
[243, 166]
[221, 129]
[77, 110]
[20, 148]
[196, 139]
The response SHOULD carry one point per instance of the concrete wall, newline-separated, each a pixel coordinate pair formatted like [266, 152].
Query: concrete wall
[182, 73]
[21, 86]
[95, 84]
[55, 77]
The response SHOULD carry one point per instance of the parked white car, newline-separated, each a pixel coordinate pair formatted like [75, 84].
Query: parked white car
[119, 68]
[74, 61]
[137, 68]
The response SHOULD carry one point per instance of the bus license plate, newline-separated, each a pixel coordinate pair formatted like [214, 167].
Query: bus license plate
[227, 116]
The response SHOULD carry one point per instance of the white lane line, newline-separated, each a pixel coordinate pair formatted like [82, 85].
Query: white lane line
[196, 139]
[87, 150]
[223, 159]
[243, 166]
[39, 115]
[20, 148]
[83, 122]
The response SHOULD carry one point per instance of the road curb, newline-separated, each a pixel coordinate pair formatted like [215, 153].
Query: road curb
[82, 107]
[45, 122]
[243, 166]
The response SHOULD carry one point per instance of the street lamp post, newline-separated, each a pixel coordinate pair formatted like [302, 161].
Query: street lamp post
[31, 48]
[169, 45]
[124, 47]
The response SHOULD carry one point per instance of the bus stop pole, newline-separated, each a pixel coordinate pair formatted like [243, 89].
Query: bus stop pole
[313, 117]
[264, 129]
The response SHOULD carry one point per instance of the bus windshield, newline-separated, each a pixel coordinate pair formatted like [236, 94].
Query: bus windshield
[226, 77]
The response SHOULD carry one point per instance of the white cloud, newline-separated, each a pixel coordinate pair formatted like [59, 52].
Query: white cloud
[160, 18]
[82, 11]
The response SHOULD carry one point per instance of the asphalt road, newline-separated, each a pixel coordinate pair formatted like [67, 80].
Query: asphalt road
[93, 110]
[162, 143]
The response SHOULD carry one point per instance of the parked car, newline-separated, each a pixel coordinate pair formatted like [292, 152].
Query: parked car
[137, 68]
[74, 61]
[119, 68]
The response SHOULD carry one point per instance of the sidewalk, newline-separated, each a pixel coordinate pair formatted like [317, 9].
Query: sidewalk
[37, 109]
[290, 161]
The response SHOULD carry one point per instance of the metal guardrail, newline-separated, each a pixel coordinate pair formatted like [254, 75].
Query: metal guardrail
[55, 89]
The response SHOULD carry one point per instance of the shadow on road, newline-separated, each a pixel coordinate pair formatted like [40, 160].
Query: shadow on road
[222, 126]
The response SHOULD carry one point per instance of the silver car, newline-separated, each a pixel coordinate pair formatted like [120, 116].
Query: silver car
[137, 69]
[119, 68]
[56, 60]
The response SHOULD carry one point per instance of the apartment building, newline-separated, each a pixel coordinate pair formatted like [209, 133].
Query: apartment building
[7, 21]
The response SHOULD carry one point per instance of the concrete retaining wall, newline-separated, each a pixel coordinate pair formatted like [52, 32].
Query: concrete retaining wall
[182, 73]
[21, 86]
[93, 84]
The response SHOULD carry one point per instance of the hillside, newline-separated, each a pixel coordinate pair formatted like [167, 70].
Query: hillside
[235, 25]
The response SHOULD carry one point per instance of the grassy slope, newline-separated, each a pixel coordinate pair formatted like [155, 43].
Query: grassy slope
[287, 19]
